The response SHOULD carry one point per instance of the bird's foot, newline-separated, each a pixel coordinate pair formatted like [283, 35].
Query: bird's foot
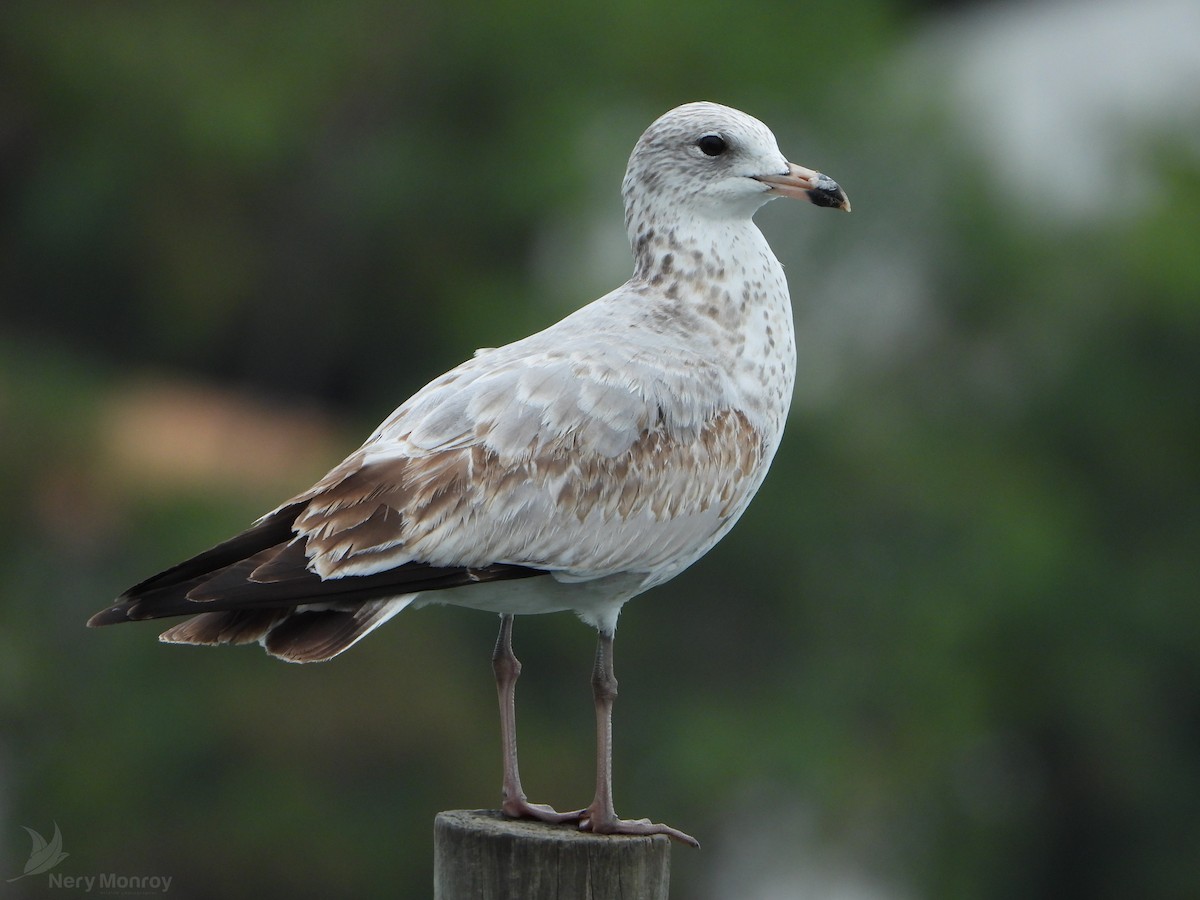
[523, 809]
[610, 824]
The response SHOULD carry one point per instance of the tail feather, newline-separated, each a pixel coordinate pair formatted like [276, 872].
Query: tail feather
[294, 635]
[319, 635]
[242, 626]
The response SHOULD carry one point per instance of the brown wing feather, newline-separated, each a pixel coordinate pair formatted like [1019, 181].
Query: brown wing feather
[557, 508]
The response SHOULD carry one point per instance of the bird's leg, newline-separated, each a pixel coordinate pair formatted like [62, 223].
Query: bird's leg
[508, 668]
[601, 816]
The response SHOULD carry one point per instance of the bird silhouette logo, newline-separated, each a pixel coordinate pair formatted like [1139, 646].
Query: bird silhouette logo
[45, 854]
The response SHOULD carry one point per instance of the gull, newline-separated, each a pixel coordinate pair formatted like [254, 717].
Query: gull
[571, 470]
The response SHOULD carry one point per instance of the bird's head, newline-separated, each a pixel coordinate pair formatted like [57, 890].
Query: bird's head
[707, 160]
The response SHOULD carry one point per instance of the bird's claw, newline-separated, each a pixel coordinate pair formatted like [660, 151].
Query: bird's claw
[523, 809]
[613, 825]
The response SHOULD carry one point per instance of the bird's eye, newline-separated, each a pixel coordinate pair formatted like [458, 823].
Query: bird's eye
[712, 145]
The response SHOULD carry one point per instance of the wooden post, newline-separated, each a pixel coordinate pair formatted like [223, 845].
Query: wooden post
[481, 855]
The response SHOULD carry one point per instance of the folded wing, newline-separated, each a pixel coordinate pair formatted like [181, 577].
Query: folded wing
[514, 465]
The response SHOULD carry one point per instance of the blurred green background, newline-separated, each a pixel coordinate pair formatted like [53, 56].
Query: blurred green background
[953, 649]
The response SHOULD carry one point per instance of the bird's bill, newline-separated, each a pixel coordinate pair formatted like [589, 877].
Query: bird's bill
[800, 183]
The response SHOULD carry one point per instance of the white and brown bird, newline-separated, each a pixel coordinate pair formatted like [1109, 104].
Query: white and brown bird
[570, 470]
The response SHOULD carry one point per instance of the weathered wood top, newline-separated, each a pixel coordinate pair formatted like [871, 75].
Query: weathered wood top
[481, 855]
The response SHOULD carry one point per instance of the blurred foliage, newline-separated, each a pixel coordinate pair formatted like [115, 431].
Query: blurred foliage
[956, 637]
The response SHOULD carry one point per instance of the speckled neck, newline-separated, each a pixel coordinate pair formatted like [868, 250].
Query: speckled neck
[720, 284]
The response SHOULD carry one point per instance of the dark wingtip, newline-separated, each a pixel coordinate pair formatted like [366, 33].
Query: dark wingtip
[115, 614]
